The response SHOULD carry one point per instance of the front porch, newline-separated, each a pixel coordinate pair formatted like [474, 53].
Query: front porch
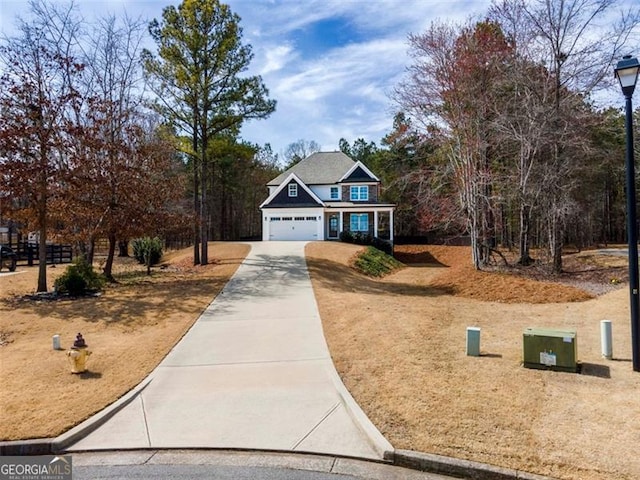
[374, 221]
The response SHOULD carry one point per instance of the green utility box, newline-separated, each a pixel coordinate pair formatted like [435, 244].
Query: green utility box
[550, 349]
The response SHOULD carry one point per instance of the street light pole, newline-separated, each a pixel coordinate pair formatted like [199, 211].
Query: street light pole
[627, 73]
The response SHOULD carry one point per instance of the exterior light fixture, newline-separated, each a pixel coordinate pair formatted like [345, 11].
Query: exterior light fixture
[627, 74]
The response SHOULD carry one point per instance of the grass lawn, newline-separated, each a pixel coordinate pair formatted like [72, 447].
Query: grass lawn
[398, 343]
[399, 346]
[129, 329]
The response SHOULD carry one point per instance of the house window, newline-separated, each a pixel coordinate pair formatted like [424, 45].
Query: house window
[293, 189]
[359, 193]
[334, 193]
[359, 222]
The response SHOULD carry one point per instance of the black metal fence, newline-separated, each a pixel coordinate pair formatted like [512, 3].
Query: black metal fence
[28, 253]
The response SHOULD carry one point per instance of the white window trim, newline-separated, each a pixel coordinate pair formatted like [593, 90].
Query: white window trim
[293, 189]
[335, 190]
[359, 193]
[352, 216]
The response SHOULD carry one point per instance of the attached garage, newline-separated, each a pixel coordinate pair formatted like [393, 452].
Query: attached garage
[293, 227]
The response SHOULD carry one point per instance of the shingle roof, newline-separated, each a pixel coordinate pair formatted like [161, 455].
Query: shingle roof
[320, 168]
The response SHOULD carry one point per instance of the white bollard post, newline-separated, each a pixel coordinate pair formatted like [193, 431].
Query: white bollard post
[606, 339]
[56, 342]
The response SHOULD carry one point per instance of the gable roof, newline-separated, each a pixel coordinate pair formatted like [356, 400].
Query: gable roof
[359, 173]
[320, 168]
[307, 199]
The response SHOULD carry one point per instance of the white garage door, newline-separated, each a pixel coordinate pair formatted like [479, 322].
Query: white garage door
[292, 227]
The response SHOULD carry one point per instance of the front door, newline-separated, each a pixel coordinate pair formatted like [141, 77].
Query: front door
[333, 225]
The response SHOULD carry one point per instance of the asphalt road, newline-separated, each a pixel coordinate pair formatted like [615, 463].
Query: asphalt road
[193, 472]
[228, 465]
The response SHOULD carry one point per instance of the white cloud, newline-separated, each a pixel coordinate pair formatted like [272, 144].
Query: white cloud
[276, 58]
[342, 91]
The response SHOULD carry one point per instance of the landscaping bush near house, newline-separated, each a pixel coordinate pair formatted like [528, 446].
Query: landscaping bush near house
[79, 279]
[364, 238]
[147, 250]
[383, 245]
[376, 263]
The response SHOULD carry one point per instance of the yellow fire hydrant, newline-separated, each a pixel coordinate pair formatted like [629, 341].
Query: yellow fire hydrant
[78, 355]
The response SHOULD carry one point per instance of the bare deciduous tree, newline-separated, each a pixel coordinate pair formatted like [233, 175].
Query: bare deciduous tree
[299, 150]
[577, 42]
[37, 97]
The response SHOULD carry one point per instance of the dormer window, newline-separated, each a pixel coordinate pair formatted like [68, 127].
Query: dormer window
[359, 193]
[293, 189]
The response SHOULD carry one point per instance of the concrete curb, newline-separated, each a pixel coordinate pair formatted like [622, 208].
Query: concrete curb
[380, 444]
[469, 470]
[80, 431]
[37, 446]
[58, 444]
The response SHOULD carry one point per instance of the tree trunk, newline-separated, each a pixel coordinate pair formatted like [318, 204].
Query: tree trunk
[204, 223]
[525, 226]
[108, 266]
[42, 248]
[555, 240]
[91, 250]
[123, 248]
[204, 202]
[488, 225]
[225, 230]
[557, 247]
[196, 212]
[42, 226]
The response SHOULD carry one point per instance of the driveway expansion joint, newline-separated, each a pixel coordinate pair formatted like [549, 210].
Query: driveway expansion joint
[251, 362]
[315, 427]
[146, 422]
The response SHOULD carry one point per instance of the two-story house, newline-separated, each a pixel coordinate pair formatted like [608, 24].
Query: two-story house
[323, 195]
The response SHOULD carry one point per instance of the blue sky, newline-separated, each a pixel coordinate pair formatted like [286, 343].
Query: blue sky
[329, 64]
[332, 64]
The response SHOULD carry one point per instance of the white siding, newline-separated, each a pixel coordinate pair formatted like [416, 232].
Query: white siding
[324, 192]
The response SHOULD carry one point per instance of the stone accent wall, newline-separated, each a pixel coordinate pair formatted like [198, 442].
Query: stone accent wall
[373, 193]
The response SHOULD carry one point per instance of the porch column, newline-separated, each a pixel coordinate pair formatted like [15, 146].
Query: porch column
[340, 223]
[375, 223]
[391, 225]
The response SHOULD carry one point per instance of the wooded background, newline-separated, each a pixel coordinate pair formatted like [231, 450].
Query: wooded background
[499, 139]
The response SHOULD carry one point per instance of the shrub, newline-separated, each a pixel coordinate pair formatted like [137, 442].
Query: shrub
[147, 250]
[346, 237]
[364, 238]
[78, 279]
[383, 245]
[375, 263]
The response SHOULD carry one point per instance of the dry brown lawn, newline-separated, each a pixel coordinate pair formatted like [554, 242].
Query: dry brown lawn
[129, 329]
[398, 343]
[399, 346]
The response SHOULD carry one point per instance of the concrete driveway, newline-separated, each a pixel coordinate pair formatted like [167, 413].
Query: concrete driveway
[254, 372]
